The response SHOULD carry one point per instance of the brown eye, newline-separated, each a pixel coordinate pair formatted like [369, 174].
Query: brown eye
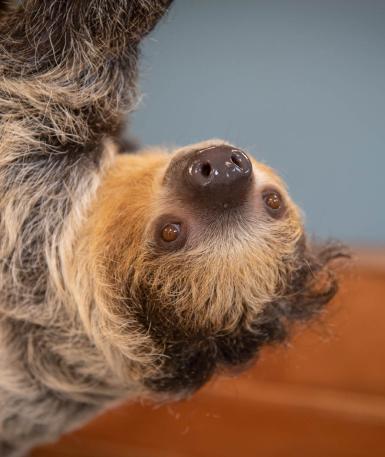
[273, 200]
[170, 232]
[273, 203]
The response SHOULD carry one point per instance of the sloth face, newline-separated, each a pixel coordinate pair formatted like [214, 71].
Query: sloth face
[198, 259]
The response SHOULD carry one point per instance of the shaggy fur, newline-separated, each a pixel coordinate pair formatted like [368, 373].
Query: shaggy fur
[92, 308]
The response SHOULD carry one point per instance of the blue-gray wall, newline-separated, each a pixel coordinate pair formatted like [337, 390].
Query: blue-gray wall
[301, 84]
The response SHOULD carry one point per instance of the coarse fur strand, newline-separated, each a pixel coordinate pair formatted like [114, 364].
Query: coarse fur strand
[91, 309]
[68, 73]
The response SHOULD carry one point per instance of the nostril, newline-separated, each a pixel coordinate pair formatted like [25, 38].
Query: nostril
[237, 160]
[206, 169]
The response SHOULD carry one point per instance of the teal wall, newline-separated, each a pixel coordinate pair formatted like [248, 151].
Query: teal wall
[301, 84]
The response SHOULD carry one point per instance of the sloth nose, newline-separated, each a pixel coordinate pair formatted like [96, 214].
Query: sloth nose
[220, 175]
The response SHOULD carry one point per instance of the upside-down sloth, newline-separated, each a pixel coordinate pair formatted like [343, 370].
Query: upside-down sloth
[125, 276]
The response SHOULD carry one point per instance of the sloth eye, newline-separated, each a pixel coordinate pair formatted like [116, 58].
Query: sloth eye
[273, 200]
[170, 232]
[274, 203]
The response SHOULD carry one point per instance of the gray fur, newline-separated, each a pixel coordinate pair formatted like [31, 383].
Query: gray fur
[59, 101]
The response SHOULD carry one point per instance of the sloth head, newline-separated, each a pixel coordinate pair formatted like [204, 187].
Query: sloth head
[194, 261]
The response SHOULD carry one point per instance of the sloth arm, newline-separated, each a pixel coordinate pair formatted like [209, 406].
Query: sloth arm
[67, 76]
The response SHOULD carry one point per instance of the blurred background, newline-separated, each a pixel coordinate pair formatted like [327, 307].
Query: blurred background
[301, 84]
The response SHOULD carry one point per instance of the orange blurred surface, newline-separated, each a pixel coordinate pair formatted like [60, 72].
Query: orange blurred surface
[323, 395]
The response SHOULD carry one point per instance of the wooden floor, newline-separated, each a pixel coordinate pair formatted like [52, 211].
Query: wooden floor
[322, 396]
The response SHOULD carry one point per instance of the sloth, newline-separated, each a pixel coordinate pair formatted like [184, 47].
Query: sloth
[126, 276]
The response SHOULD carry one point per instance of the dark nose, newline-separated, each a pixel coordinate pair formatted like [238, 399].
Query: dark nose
[220, 175]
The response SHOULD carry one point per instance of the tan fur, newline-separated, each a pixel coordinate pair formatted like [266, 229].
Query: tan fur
[112, 247]
[132, 196]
